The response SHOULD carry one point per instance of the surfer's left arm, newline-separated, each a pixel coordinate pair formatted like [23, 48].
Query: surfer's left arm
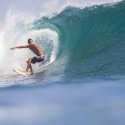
[19, 47]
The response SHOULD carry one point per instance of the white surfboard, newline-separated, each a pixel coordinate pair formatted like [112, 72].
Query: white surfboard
[20, 72]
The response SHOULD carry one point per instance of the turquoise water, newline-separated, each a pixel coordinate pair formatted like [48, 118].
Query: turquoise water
[91, 40]
[82, 79]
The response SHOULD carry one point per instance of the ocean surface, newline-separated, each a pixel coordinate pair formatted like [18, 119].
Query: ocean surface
[81, 81]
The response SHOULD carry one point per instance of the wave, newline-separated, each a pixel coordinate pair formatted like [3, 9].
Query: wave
[78, 42]
[91, 39]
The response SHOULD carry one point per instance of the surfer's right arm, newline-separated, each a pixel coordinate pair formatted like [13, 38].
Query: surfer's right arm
[19, 47]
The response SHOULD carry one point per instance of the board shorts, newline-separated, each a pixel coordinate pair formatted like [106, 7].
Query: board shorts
[37, 59]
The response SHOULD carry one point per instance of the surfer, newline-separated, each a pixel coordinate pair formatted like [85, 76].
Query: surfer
[40, 56]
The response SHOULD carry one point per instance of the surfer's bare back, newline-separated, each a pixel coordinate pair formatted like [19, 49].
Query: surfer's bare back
[40, 56]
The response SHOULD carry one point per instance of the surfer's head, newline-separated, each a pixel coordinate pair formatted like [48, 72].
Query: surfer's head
[30, 41]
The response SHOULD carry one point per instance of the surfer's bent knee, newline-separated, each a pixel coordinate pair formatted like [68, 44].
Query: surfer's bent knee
[29, 61]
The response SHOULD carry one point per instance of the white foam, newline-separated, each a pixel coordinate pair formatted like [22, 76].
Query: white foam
[1, 47]
[87, 3]
[17, 58]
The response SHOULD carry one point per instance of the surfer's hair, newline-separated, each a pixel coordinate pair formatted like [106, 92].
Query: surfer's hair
[29, 40]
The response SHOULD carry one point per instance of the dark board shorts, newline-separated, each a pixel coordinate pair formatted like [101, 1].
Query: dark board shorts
[37, 59]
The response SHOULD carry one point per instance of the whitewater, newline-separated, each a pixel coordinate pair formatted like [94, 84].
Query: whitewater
[82, 78]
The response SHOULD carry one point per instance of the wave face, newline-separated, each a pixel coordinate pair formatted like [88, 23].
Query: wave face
[92, 40]
[80, 43]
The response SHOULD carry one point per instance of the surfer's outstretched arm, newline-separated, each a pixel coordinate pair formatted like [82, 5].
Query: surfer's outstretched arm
[19, 47]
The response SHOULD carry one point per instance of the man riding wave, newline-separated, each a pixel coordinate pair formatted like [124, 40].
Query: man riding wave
[40, 56]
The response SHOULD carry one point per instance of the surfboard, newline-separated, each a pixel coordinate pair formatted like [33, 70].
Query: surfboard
[20, 72]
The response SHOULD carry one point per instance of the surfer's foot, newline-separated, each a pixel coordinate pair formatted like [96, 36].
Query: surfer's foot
[25, 72]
